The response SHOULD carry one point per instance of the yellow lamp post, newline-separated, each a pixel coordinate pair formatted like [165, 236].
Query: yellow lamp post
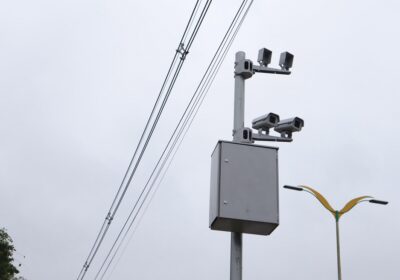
[337, 214]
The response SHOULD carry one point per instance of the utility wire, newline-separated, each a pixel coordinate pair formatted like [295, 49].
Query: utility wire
[111, 213]
[102, 236]
[195, 104]
[108, 220]
[147, 140]
[189, 25]
[198, 24]
[179, 67]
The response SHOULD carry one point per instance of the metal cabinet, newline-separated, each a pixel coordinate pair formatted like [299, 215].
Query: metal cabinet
[244, 188]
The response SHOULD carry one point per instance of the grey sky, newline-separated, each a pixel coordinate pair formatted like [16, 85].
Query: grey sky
[77, 82]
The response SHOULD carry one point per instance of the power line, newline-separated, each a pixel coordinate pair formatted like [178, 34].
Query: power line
[108, 220]
[116, 202]
[179, 67]
[194, 105]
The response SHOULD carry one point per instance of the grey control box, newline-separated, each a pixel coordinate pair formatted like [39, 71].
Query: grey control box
[244, 188]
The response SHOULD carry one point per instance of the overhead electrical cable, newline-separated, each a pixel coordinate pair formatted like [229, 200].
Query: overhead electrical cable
[164, 102]
[107, 221]
[192, 107]
[119, 196]
[172, 83]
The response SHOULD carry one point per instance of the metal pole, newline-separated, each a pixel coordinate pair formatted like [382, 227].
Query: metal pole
[238, 125]
[338, 246]
[238, 114]
[236, 256]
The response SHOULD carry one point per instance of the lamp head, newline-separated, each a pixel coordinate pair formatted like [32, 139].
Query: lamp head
[376, 201]
[295, 188]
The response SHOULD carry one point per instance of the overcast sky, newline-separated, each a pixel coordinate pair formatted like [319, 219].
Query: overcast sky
[78, 80]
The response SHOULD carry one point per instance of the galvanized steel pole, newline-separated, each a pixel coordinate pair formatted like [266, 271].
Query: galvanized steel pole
[238, 114]
[338, 246]
[236, 256]
[238, 125]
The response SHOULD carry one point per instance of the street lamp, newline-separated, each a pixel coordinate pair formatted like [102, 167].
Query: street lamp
[337, 214]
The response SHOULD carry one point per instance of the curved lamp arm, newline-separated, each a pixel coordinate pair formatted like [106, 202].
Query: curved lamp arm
[320, 198]
[349, 205]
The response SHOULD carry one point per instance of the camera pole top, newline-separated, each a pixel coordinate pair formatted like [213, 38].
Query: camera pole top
[245, 69]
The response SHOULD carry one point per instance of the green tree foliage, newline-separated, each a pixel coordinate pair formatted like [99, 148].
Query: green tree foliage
[7, 269]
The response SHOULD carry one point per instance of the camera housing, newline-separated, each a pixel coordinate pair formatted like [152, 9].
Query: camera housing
[246, 135]
[264, 56]
[286, 60]
[244, 68]
[265, 122]
[288, 126]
